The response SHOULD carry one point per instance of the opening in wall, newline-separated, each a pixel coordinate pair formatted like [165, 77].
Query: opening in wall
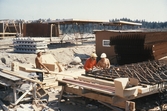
[106, 43]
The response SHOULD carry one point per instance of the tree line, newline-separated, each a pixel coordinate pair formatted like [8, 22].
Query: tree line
[146, 24]
[90, 27]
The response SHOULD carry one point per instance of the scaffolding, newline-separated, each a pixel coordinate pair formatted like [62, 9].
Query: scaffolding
[10, 28]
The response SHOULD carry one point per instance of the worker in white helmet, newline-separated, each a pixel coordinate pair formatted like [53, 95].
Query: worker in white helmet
[104, 62]
[90, 63]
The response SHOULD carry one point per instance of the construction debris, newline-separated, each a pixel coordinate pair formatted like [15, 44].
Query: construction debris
[117, 88]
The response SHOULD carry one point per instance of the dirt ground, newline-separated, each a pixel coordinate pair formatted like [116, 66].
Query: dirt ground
[63, 53]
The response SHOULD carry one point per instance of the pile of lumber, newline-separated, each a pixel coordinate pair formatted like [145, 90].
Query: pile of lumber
[135, 48]
[159, 49]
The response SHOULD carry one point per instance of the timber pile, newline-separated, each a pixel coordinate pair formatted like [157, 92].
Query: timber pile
[29, 45]
[159, 49]
[137, 48]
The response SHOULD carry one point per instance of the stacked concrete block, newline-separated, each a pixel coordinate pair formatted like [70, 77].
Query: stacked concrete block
[29, 45]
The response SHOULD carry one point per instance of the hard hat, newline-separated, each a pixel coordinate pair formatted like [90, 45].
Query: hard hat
[38, 51]
[93, 55]
[103, 55]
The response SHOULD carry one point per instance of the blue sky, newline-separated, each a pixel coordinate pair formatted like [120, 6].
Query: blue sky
[149, 10]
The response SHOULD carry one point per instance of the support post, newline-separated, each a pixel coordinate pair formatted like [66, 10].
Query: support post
[130, 106]
[51, 27]
[14, 93]
[34, 91]
[61, 94]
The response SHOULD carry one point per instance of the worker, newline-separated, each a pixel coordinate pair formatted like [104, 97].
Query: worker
[90, 63]
[40, 65]
[104, 62]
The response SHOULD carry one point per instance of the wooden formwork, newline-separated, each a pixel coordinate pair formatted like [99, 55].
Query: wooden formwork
[119, 86]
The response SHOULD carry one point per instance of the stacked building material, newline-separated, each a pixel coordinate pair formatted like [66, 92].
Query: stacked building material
[29, 45]
[149, 72]
[133, 49]
[159, 49]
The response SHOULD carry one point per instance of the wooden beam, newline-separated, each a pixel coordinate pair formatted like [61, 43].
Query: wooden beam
[130, 106]
[97, 96]
[4, 107]
[14, 93]
[51, 27]
[61, 94]
[17, 75]
[22, 96]
[95, 80]
[90, 86]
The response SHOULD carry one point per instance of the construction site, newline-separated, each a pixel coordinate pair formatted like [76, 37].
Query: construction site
[136, 80]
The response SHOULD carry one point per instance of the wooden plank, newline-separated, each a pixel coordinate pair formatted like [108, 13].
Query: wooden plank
[92, 87]
[26, 69]
[61, 94]
[97, 96]
[152, 37]
[4, 83]
[48, 58]
[95, 80]
[159, 45]
[61, 68]
[130, 106]
[22, 96]
[17, 75]
[35, 107]
[10, 77]
[52, 67]
[157, 57]
[6, 33]
[32, 69]
[158, 51]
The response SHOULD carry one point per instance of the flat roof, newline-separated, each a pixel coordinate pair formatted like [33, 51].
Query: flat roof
[126, 23]
[82, 21]
[118, 30]
[69, 21]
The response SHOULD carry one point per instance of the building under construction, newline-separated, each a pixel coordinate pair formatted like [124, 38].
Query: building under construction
[11, 28]
[136, 81]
